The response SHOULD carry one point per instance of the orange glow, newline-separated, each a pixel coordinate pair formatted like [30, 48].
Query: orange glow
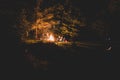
[51, 38]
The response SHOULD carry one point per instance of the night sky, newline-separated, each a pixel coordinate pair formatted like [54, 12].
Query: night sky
[91, 6]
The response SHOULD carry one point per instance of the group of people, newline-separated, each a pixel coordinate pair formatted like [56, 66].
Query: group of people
[61, 39]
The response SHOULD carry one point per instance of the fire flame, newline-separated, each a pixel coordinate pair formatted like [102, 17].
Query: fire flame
[51, 38]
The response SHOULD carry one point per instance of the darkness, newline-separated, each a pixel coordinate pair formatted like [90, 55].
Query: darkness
[13, 59]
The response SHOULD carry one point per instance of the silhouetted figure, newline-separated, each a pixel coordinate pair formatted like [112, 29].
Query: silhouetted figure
[108, 43]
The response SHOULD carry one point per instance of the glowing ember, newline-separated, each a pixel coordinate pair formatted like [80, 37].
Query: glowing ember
[51, 38]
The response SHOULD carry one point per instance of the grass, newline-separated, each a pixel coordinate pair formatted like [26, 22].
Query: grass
[60, 44]
[75, 44]
[31, 41]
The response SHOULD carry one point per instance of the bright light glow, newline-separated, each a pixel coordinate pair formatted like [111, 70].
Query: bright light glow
[51, 38]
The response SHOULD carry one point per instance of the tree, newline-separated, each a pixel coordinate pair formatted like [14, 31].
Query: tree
[63, 20]
[68, 20]
[24, 25]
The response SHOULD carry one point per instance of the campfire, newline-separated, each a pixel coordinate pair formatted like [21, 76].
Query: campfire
[51, 38]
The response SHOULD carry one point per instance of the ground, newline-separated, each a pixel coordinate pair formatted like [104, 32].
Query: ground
[41, 60]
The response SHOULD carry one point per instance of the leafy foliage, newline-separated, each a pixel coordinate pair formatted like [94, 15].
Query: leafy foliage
[24, 25]
[59, 19]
